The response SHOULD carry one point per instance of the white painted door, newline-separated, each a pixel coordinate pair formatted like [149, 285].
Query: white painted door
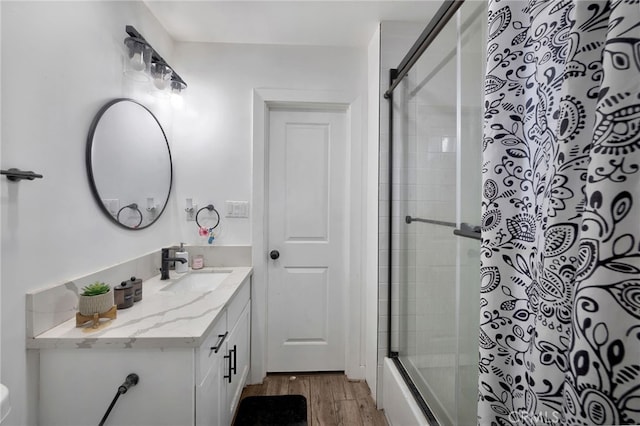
[307, 216]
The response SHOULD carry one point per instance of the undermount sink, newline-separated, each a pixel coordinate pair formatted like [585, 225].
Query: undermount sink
[197, 282]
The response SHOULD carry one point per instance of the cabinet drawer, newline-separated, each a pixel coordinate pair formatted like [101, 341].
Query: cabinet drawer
[206, 355]
[238, 303]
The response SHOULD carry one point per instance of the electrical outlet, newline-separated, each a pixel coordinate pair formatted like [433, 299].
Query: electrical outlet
[191, 215]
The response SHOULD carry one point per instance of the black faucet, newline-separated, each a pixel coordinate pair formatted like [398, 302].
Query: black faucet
[164, 263]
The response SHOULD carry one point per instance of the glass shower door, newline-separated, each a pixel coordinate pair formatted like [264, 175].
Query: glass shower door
[428, 106]
[471, 75]
[438, 142]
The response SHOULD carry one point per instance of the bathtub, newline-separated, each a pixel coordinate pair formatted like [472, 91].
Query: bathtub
[398, 403]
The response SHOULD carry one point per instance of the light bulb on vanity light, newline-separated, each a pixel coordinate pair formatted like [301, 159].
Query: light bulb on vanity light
[176, 89]
[137, 61]
[138, 58]
[161, 74]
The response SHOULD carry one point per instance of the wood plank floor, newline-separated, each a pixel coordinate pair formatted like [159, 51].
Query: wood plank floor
[332, 399]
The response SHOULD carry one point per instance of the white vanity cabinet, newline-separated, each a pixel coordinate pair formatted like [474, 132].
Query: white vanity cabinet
[210, 383]
[239, 343]
[179, 385]
[224, 364]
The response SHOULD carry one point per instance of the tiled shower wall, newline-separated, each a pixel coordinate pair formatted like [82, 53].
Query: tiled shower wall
[427, 253]
[428, 182]
[424, 176]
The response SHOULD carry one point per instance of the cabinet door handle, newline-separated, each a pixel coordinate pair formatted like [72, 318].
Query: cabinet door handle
[235, 360]
[228, 356]
[221, 338]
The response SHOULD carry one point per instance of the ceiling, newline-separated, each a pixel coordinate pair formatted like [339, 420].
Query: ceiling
[296, 22]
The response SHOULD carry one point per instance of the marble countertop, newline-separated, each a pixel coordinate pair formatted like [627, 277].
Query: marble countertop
[162, 319]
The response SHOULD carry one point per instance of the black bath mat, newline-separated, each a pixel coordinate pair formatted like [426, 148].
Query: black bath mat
[272, 410]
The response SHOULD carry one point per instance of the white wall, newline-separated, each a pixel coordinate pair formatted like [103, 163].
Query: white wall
[213, 131]
[213, 155]
[60, 62]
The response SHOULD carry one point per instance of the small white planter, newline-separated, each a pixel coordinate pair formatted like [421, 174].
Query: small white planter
[89, 305]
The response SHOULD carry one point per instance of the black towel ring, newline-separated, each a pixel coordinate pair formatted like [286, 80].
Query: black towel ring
[132, 206]
[210, 208]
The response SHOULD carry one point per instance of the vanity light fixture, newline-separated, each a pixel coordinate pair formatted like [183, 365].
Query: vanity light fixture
[142, 57]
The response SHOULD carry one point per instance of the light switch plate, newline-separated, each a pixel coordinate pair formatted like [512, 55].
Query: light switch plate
[236, 208]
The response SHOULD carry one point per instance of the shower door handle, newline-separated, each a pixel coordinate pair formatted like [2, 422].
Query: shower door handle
[274, 254]
[469, 231]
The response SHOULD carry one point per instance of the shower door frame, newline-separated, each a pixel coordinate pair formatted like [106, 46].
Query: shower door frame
[442, 17]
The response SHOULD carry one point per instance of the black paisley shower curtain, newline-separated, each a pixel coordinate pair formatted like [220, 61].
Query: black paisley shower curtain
[560, 295]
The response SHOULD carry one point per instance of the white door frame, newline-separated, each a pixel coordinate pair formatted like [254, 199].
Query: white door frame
[263, 100]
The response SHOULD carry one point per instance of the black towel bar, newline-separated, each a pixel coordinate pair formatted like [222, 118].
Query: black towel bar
[16, 175]
[465, 230]
[409, 219]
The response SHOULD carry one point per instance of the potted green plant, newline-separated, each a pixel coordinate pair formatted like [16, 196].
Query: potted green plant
[95, 298]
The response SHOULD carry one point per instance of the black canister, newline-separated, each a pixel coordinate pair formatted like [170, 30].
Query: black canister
[136, 283]
[124, 295]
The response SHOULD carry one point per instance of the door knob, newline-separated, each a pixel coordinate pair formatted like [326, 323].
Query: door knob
[274, 254]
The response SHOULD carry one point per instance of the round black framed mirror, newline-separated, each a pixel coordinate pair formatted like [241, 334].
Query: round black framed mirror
[129, 164]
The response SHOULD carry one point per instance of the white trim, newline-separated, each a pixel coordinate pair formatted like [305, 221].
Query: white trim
[355, 293]
[370, 249]
[263, 101]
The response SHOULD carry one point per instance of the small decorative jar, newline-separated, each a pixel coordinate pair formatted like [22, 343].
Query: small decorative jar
[198, 262]
[124, 295]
